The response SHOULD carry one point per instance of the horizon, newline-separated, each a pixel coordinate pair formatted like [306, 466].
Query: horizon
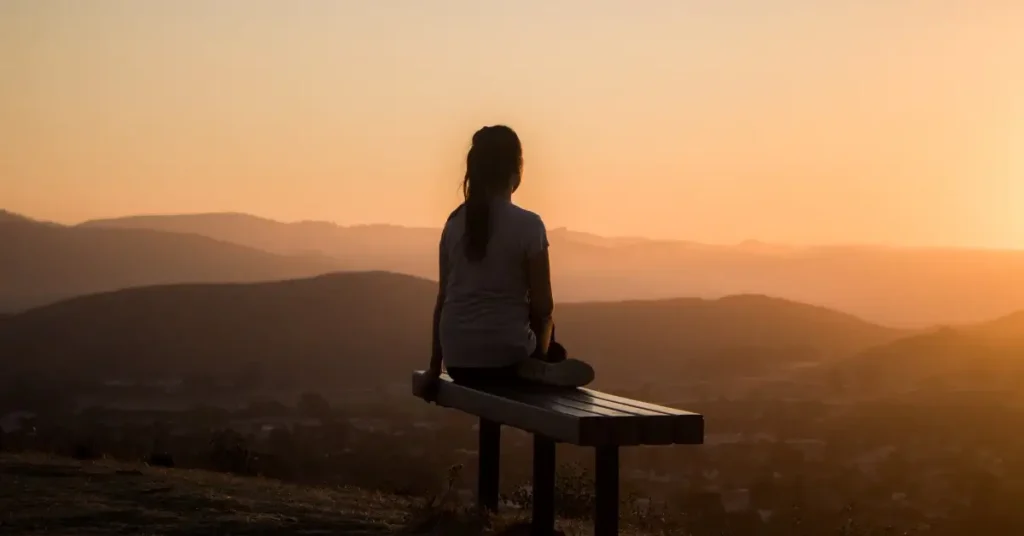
[745, 242]
[888, 124]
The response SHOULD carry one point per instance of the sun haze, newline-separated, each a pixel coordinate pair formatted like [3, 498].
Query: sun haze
[714, 120]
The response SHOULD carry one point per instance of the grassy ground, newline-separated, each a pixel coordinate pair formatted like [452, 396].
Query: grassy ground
[61, 497]
[44, 495]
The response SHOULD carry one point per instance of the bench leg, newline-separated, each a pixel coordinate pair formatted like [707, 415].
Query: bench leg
[489, 457]
[543, 486]
[606, 516]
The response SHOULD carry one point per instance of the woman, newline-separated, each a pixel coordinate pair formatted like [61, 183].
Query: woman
[492, 318]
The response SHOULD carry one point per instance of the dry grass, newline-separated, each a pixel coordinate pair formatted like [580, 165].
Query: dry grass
[55, 496]
[45, 495]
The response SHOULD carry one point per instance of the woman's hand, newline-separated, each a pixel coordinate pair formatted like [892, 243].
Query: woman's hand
[426, 384]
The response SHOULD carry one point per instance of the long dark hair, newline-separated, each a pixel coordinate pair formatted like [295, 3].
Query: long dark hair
[493, 165]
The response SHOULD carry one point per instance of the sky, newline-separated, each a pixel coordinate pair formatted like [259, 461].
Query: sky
[798, 121]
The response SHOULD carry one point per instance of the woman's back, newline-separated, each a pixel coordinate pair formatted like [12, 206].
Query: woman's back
[485, 320]
[492, 318]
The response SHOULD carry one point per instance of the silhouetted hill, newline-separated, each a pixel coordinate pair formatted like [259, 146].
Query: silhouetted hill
[1009, 328]
[330, 327]
[734, 335]
[6, 216]
[42, 263]
[985, 357]
[323, 237]
[912, 287]
[371, 328]
[363, 247]
[559, 234]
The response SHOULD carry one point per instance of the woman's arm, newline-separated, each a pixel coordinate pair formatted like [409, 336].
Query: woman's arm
[542, 304]
[435, 352]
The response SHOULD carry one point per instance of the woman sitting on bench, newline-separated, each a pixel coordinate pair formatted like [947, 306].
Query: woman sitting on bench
[493, 316]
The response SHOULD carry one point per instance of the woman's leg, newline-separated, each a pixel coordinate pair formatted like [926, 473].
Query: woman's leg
[477, 377]
[555, 367]
[552, 352]
[544, 332]
[556, 352]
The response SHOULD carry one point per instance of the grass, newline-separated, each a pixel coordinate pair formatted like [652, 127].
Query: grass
[53, 496]
[42, 494]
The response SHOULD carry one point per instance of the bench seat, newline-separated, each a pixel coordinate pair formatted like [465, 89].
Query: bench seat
[578, 416]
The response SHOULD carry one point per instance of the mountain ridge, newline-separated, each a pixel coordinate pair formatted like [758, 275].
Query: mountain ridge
[906, 287]
[584, 236]
[351, 324]
[43, 263]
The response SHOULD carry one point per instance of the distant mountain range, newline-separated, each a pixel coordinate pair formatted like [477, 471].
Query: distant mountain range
[11, 217]
[360, 330]
[367, 328]
[903, 287]
[913, 287]
[41, 262]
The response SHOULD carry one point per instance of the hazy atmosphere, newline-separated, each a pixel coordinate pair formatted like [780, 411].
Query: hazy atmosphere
[782, 242]
[795, 121]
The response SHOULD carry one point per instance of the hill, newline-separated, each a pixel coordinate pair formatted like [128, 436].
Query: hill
[43, 263]
[325, 327]
[971, 360]
[393, 248]
[359, 330]
[912, 287]
[363, 247]
[731, 336]
[1007, 329]
[7, 216]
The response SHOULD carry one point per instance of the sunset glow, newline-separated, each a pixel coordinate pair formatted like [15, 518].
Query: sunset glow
[788, 121]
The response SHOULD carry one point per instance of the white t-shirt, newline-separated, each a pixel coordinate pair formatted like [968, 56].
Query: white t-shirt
[485, 319]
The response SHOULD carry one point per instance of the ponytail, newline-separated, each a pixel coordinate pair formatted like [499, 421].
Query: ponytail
[493, 160]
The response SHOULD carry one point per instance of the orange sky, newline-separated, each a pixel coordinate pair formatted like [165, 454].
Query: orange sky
[801, 121]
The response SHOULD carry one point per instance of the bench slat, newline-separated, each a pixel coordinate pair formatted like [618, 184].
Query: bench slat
[605, 426]
[687, 428]
[636, 403]
[656, 428]
[556, 425]
[591, 409]
[580, 396]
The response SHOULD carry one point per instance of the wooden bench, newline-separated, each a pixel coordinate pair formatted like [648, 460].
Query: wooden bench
[578, 416]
